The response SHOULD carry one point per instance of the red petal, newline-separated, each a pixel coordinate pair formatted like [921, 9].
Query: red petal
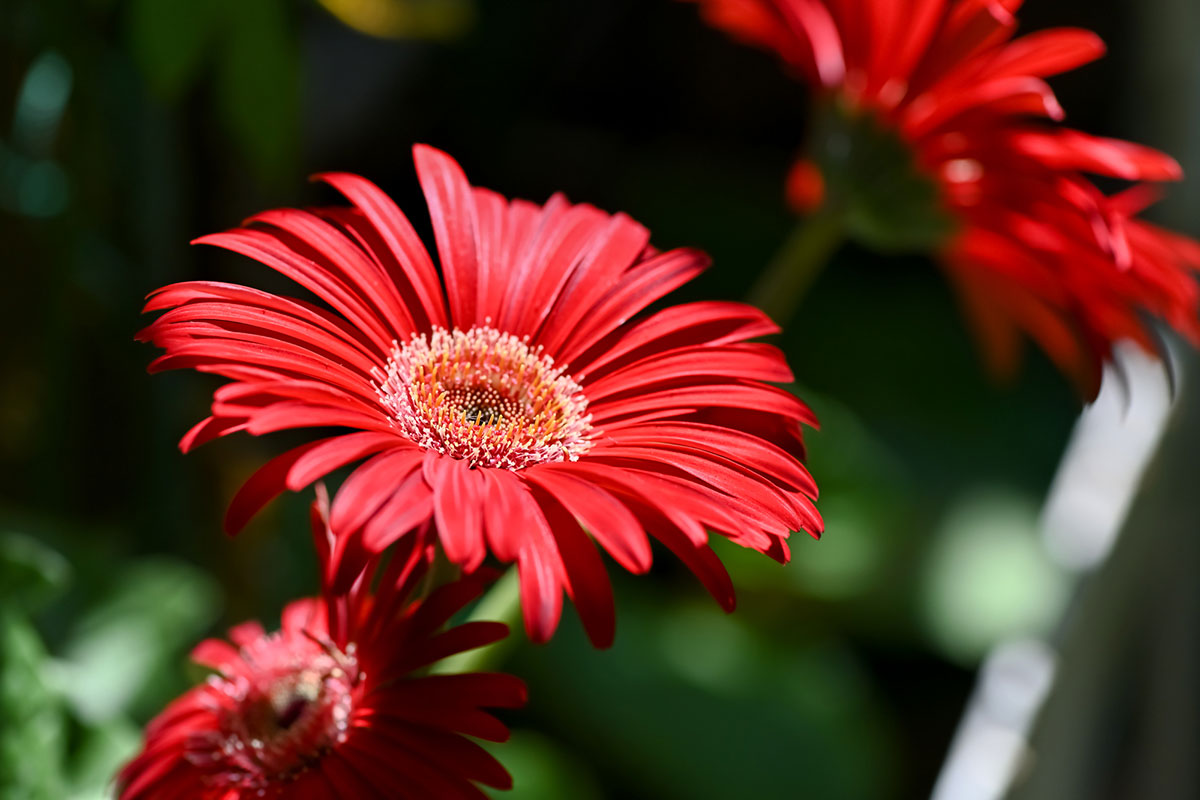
[540, 570]
[453, 215]
[562, 242]
[700, 559]
[747, 361]
[411, 257]
[396, 767]
[468, 636]
[621, 243]
[689, 324]
[208, 429]
[585, 578]
[448, 752]
[216, 654]
[640, 286]
[1064, 149]
[768, 399]
[1047, 53]
[509, 511]
[267, 248]
[369, 486]
[342, 255]
[277, 474]
[612, 524]
[458, 493]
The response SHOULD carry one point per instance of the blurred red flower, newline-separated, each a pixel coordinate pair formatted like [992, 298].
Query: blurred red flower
[337, 703]
[1035, 246]
[520, 404]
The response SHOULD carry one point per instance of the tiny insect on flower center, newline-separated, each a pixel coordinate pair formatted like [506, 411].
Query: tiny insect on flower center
[485, 397]
[284, 715]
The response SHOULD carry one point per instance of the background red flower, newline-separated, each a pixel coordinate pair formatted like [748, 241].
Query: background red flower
[337, 703]
[1033, 247]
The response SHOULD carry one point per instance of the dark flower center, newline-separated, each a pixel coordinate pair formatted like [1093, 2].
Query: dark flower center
[291, 712]
[281, 717]
[291, 698]
[481, 415]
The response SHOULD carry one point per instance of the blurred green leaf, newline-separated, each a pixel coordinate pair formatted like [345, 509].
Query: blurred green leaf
[988, 575]
[541, 770]
[124, 648]
[258, 86]
[32, 738]
[865, 498]
[170, 39]
[690, 703]
[501, 603]
[863, 501]
[100, 753]
[30, 572]
[713, 651]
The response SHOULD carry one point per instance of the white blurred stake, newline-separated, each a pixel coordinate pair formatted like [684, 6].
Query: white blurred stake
[1096, 482]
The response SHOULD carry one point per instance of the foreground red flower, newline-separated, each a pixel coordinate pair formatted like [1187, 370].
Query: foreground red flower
[520, 404]
[336, 704]
[1036, 248]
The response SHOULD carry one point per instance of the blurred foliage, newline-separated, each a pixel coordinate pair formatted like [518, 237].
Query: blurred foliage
[253, 56]
[988, 578]
[69, 717]
[30, 572]
[691, 703]
[32, 740]
[120, 654]
[541, 770]
[169, 41]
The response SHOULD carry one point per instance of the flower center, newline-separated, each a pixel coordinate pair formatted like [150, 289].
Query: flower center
[485, 397]
[283, 716]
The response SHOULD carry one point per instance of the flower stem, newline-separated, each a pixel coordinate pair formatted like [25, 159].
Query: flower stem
[795, 267]
[502, 603]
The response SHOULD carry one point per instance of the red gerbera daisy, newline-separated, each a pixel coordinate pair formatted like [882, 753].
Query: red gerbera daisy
[337, 703]
[1035, 246]
[520, 404]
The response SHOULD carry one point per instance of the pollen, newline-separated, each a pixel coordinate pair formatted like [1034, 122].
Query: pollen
[485, 397]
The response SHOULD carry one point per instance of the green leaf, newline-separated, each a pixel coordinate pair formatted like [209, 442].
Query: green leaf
[125, 648]
[32, 739]
[692, 703]
[101, 752]
[30, 572]
[541, 770]
[258, 87]
[170, 39]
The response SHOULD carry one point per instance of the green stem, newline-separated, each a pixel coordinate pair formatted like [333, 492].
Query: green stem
[794, 269]
[502, 603]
